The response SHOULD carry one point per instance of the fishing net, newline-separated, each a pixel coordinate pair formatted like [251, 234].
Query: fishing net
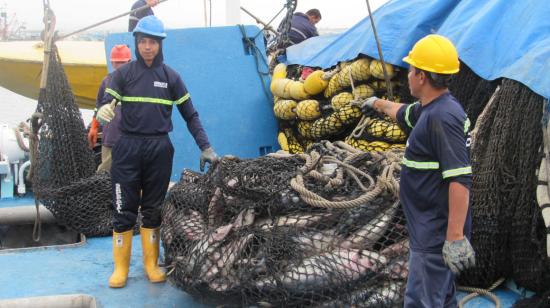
[323, 228]
[63, 175]
[472, 91]
[534, 302]
[507, 224]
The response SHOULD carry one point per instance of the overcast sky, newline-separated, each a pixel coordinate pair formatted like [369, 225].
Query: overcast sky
[75, 14]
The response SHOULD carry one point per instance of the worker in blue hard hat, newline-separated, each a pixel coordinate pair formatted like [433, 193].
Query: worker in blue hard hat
[136, 16]
[142, 158]
[436, 176]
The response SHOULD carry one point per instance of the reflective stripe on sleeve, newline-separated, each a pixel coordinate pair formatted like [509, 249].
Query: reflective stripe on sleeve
[457, 172]
[183, 99]
[113, 93]
[422, 165]
[407, 113]
[137, 99]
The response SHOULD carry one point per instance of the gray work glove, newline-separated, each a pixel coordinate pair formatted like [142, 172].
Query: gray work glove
[208, 155]
[106, 113]
[459, 255]
[367, 104]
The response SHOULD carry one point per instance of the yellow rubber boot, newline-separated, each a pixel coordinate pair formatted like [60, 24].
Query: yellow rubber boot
[122, 249]
[150, 245]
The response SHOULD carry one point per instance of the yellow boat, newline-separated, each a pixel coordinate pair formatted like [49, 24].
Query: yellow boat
[84, 62]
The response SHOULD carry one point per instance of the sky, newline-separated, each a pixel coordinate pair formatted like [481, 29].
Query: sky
[76, 14]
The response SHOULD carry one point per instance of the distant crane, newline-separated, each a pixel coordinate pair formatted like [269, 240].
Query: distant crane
[10, 27]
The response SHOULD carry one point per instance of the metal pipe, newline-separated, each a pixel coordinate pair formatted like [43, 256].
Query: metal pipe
[386, 77]
[106, 21]
[21, 187]
[59, 301]
[15, 173]
[24, 215]
[258, 20]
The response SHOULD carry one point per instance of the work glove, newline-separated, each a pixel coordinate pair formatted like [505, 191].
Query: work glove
[106, 113]
[92, 133]
[208, 155]
[367, 104]
[458, 255]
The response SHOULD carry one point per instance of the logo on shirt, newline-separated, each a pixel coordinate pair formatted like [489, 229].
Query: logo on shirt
[159, 84]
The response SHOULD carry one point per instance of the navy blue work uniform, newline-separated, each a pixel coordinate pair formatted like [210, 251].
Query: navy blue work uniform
[300, 28]
[135, 17]
[436, 154]
[111, 130]
[142, 157]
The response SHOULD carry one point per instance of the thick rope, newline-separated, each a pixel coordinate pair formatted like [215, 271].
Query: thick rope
[328, 75]
[360, 128]
[385, 181]
[479, 291]
[313, 199]
[481, 119]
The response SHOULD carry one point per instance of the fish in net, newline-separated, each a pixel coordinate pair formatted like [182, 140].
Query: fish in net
[63, 170]
[323, 228]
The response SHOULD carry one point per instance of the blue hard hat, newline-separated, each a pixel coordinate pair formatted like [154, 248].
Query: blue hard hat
[150, 25]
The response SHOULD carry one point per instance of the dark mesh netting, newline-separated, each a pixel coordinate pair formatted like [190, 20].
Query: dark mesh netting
[64, 179]
[507, 223]
[534, 302]
[472, 91]
[318, 229]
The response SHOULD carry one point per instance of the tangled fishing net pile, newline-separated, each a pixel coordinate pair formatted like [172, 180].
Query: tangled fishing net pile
[318, 229]
[63, 175]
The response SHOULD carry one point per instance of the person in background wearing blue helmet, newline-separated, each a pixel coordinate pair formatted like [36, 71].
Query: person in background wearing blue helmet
[135, 17]
[142, 158]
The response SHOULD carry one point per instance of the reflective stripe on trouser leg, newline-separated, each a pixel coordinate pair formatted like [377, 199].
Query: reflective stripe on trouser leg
[157, 168]
[126, 186]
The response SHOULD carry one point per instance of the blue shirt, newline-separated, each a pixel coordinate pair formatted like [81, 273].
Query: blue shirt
[135, 17]
[300, 28]
[111, 130]
[147, 95]
[437, 153]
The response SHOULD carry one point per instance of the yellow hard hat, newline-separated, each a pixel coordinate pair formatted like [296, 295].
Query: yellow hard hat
[434, 53]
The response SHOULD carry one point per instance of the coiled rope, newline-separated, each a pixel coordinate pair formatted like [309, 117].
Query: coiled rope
[386, 181]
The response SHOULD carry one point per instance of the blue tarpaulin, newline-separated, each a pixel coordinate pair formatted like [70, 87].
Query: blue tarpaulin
[495, 38]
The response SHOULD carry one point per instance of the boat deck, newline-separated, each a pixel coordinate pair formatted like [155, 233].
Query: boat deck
[85, 269]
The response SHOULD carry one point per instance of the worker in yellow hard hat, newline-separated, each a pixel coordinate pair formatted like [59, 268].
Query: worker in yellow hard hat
[436, 176]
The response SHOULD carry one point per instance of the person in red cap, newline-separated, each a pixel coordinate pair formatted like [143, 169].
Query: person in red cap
[120, 55]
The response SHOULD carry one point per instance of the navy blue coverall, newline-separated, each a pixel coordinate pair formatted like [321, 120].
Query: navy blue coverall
[111, 130]
[142, 157]
[300, 28]
[436, 154]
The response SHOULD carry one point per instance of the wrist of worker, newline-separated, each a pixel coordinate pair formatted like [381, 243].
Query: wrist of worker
[453, 235]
